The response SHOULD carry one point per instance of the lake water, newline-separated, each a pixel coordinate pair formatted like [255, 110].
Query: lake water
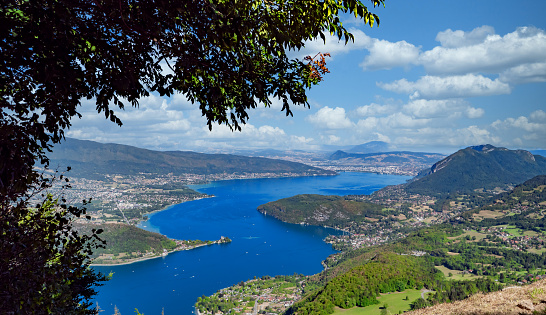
[261, 245]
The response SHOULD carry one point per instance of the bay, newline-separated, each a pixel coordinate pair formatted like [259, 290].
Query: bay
[261, 245]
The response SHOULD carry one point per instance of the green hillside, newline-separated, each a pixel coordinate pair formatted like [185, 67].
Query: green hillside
[124, 238]
[498, 244]
[478, 168]
[386, 272]
[89, 159]
[321, 210]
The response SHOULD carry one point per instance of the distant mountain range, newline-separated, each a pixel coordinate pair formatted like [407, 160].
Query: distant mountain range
[89, 159]
[370, 147]
[478, 167]
[397, 157]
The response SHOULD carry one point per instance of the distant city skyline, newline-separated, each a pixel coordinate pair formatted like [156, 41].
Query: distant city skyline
[435, 77]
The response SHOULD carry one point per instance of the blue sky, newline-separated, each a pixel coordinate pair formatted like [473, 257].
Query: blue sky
[435, 76]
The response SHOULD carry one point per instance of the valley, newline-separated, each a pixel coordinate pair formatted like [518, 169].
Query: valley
[435, 236]
[477, 240]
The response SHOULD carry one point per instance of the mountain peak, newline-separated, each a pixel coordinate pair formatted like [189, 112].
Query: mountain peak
[370, 147]
[483, 148]
[479, 167]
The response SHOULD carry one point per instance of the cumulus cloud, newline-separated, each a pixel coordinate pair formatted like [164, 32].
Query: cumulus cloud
[530, 128]
[538, 116]
[222, 139]
[521, 122]
[401, 120]
[180, 101]
[477, 51]
[394, 121]
[434, 87]
[382, 54]
[458, 38]
[172, 125]
[368, 124]
[330, 118]
[388, 55]
[375, 109]
[434, 108]
[472, 112]
[473, 135]
[481, 51]
[330, 139]
[526, 73]
[175, 124]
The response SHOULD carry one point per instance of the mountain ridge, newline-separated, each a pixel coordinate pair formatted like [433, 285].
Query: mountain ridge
[370, 147]
[89, 158]
[478, 167]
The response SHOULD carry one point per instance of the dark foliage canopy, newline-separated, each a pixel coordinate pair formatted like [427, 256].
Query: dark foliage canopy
[226, 56]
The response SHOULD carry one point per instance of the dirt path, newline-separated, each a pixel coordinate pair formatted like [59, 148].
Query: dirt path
[423, 291]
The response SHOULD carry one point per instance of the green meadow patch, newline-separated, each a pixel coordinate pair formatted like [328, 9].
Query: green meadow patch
[395, 302]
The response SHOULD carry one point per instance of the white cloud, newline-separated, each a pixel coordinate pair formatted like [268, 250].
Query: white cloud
[172, 125]
[400, 120]
[473, 135]
[180, 101]
[532, 129]
[271, 131]
[472, 112]
[330, 118]
[445, 137]
[375, 110]
[330, 139]
[434, 108]
[387, 55]
[382, 54]
[477, 51]
[382, 137]
[521, 122]
[538, 116]
[493, 54]
[458, 38]
[527, 73]
[367, 124]
[301, 140]
[394, 121]
[433, 87]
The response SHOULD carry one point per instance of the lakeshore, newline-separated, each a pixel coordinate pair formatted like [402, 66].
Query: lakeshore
[181, 247]
[261, 245]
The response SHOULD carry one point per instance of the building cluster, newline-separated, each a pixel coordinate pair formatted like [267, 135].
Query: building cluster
[255, 296]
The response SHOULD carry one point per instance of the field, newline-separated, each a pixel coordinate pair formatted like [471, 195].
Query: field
[479, 236]
[487, 214]
[537, 251]
[518, 232]
[456, 274]
[396, 302]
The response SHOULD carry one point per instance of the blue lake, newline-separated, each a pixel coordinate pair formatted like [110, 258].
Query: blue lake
[261, 245]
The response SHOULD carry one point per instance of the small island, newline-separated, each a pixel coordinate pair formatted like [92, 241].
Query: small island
[129, 244]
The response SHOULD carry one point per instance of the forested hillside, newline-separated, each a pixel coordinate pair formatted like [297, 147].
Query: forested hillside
[386, 272]
[322, 210]
[133, 242]
[478, 168]
[502, 243]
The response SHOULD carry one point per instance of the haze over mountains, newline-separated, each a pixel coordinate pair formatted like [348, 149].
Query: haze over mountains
[88, 159]
[396, 157]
